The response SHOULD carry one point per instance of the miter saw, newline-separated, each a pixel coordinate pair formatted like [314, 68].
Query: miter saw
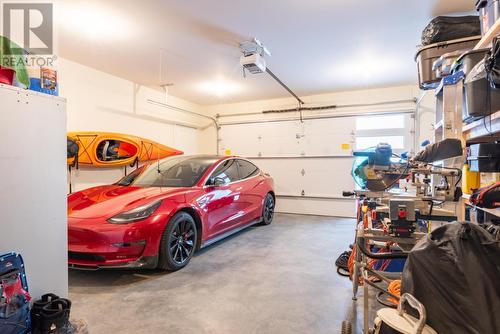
[378, 171]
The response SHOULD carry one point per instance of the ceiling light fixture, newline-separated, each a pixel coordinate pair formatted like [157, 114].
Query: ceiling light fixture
[94, 22]
[219, 87]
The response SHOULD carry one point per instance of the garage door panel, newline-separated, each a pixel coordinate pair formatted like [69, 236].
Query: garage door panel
[336, 125]
[285, 172]
[318, 177]
[325, 207]
[328, 145]
[311, 138]
[312, 158]
[327, 177]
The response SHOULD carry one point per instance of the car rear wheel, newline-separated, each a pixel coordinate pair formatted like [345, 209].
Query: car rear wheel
[268, 209]
[178, 242]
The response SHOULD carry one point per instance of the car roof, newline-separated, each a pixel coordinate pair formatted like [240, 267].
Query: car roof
[213, 157]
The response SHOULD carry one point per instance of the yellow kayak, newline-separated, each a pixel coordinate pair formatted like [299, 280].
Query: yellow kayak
[106, 149]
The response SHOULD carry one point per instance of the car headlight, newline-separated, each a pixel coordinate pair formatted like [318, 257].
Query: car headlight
[140, 213]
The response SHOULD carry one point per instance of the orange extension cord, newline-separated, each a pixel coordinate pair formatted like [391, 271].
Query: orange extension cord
[394, 288]
[369, 264]
[350, 264]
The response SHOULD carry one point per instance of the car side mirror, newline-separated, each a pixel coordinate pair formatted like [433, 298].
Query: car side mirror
[218, 181]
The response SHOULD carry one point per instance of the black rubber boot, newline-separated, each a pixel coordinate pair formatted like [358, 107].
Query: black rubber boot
[38, 305]
[55, 317]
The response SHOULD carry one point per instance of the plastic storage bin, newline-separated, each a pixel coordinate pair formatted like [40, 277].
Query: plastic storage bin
[470, 58]
[444, 64]
[484, 157]
[426, 56]
[465, 64]
[480, 98]
[489, 12]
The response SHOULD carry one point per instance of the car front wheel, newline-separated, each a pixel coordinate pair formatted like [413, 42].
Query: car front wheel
[178, 242]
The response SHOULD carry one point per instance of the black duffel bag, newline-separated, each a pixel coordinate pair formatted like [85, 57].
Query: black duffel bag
[447, 28]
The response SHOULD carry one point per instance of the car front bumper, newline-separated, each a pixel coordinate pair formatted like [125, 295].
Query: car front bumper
[145, 262]
[94, 244]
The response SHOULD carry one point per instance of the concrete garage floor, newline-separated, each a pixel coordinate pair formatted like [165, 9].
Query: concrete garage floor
[267, 279]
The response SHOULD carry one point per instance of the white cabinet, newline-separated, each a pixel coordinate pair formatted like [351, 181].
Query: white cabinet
[33, 186]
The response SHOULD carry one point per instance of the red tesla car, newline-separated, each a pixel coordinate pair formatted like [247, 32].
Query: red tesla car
[160, 214]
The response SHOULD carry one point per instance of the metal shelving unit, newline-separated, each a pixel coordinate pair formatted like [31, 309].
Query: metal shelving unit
[489, 214]
[482, 130]
[448, 120]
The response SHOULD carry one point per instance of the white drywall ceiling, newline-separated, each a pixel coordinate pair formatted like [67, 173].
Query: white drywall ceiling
[318, 46]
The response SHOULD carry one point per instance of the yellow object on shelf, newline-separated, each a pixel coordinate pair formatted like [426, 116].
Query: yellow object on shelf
[470, 180]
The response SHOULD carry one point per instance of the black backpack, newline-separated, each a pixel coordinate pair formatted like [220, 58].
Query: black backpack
[72, 151]
[14, 296]
[487, 197]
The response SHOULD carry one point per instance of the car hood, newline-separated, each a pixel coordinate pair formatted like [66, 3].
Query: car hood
[107, 201]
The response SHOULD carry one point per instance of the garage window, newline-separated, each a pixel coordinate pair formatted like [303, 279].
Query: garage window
[394, 129]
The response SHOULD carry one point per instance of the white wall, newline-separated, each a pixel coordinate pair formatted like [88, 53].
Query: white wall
[98, 101]
[33, 186]
[322, 177]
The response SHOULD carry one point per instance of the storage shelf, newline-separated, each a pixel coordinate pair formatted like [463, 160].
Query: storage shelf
[438, 125]
[488, 37]
[477, 131]
[494, 212]
[27, 92]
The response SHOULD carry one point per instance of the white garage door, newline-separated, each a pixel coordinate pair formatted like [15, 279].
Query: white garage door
[311, 161]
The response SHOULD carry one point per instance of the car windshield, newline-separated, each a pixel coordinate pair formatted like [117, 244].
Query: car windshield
[171, 172]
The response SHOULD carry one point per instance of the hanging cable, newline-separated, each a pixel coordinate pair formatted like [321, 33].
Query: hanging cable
[342, 263]
[284, 86]
[300, 113]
